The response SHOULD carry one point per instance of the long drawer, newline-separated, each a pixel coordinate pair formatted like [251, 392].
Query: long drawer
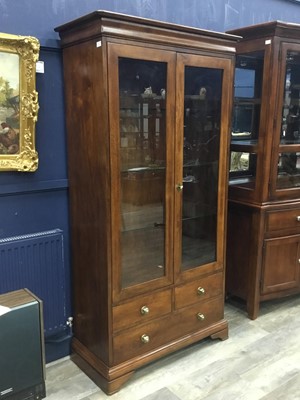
[285, 219]
[144, 338]
[198, 290]
[141, 309]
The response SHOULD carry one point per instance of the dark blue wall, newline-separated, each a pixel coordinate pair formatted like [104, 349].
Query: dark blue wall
[34, 202]
[36, 17]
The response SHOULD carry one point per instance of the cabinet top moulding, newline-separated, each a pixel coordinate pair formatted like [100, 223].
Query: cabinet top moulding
[273, 28]
[100, 24]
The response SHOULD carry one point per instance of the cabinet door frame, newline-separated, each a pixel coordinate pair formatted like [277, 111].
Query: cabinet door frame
[226, 65]
[151, 54]
[264, 142]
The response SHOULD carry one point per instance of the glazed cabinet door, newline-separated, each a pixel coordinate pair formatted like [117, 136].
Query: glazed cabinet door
[202, 129]
[141, 83]
[285, 179]
[248, 121]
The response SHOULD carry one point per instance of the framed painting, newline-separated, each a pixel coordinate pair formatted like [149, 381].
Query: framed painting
[18, 102]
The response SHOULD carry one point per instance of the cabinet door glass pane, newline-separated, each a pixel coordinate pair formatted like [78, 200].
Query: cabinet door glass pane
[143, 169]
[202, 109]
[243, 168]
[288, 175]
[290, 128]
[288, 170]
[247, 96]
[246, 118]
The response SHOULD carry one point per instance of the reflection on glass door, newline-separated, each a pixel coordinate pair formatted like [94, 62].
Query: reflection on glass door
[246, 118]
[202, 117]
[142, 113]
[289, 159]
[290, 130]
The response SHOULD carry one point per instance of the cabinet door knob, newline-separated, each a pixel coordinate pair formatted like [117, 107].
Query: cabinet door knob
[145, 338]
[200, 316]
[298, 218]
[200, 291]
[179, 187]
[145, 310]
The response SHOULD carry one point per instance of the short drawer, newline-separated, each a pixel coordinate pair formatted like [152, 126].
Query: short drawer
[141, 309]
[201, 289]
[280, 220]
[147, 337]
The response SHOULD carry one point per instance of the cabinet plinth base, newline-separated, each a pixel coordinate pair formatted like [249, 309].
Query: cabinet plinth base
[111, 379]
[108, 386]
[222, 335]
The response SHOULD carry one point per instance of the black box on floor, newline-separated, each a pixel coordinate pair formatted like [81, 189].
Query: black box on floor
[22, 361]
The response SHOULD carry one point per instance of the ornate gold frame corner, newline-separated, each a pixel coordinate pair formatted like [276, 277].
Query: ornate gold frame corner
[17, 142]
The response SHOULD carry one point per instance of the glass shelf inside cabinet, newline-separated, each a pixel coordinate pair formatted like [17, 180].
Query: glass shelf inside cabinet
[246, 118]
[142, 114]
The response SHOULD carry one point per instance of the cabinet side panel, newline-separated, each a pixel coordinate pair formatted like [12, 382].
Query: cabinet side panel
[86, 97]
[238, 251]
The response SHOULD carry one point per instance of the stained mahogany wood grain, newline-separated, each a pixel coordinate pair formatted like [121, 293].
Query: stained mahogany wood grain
[263, 230]
[106, 307]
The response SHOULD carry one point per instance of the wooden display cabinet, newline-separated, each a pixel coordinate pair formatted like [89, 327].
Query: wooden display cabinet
[148, 108]
[263, 258]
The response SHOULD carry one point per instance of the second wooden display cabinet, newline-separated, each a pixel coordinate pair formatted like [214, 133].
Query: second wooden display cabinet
[263, 255]
[148, 108]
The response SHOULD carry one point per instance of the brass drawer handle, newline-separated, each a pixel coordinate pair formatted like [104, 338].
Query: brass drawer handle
[298, 218]
[145, 310]
[145, 338]
[200, 291]
[200, 316]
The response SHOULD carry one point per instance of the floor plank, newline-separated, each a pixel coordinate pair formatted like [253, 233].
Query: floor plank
[259, 361]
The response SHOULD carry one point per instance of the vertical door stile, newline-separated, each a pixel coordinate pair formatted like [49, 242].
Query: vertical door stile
[114, 127]
[171, 161]
[223, 173]
[178, 156]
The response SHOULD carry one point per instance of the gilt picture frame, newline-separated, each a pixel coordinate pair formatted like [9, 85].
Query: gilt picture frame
[18, 102]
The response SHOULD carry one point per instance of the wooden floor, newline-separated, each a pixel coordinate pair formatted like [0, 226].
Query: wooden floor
[260, 360]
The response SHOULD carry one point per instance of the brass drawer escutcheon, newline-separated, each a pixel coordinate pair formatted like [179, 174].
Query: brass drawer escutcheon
[179, 187]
